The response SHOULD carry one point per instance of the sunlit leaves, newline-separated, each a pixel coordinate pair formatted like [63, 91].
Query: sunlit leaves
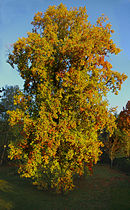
[62, 109]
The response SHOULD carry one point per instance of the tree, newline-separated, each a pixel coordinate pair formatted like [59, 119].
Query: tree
[7, 100]
[124, 118]
[115, 144]
[6, 103]
[64, 64]
[124, 125]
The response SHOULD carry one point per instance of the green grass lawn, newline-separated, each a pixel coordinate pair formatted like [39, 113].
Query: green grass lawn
[105, 189]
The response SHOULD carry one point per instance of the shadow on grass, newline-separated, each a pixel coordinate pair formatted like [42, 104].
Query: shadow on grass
[106, 189]
[5, 204]
[5, 187]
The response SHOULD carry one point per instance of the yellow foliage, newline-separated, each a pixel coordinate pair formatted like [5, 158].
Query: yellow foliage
[62, 109]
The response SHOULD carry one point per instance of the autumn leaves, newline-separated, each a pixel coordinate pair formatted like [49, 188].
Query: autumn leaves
[66, 73]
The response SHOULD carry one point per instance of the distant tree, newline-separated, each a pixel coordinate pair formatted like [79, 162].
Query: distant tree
[115, 145]
[124, 118]
[124, 125]
[6, 103]
[63, 62]
[119, 143]
[7, 100]
[128, 106]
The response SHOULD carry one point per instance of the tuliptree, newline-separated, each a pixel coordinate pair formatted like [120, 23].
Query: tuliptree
[63, 108]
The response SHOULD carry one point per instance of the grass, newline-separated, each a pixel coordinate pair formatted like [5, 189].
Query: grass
[106, 189]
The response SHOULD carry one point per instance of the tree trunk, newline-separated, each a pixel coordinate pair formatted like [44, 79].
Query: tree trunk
[111, 158]
[128, 150]
[3, 153]
[111, 162]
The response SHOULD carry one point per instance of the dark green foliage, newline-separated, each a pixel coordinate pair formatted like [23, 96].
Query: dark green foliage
[7, 100]
[6, 133]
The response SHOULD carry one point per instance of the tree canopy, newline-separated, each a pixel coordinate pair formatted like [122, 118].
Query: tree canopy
[67, 75]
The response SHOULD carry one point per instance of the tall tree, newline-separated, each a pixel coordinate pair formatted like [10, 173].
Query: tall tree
[64, 63]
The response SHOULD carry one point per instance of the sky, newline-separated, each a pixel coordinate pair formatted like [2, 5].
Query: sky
[15, 22]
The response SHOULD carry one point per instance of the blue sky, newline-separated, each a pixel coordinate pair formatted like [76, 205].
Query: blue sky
[15, 21]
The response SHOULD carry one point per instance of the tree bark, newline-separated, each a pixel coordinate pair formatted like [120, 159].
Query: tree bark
[3, 153]
[111, 163]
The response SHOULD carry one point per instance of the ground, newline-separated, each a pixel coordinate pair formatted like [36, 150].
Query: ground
[105, 189]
